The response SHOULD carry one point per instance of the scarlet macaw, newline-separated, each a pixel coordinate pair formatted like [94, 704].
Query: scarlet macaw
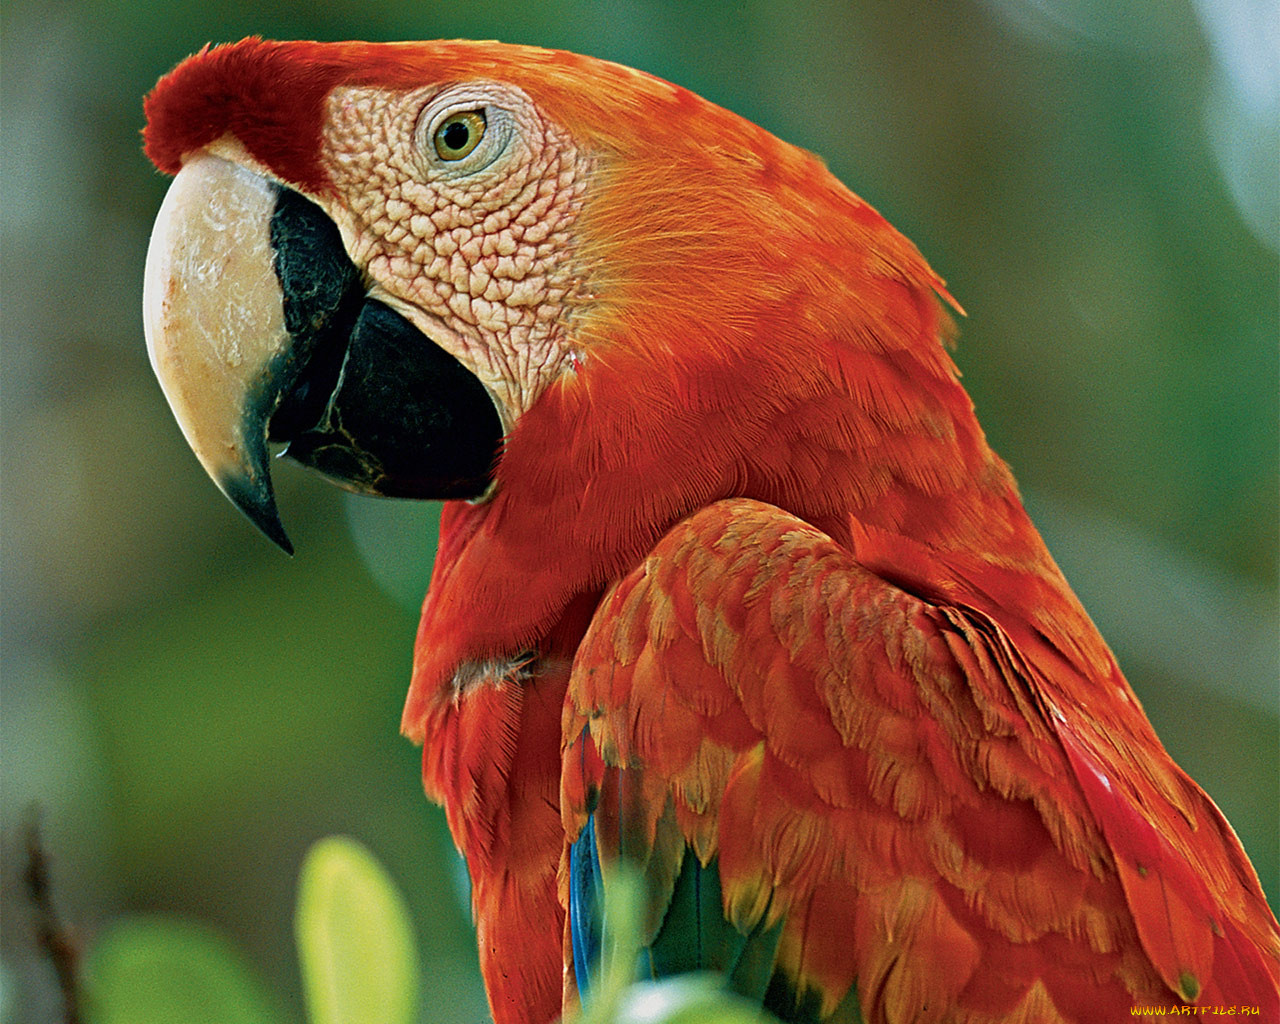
[729, 584]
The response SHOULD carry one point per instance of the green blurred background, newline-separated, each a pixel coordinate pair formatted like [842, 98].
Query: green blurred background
[1098, 183]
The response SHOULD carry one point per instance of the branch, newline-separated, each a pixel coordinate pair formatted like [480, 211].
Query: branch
[52, 935]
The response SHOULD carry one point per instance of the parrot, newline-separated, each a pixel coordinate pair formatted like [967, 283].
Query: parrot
[731, 592]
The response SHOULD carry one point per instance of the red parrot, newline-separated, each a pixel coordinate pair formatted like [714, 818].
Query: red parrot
[730, 586]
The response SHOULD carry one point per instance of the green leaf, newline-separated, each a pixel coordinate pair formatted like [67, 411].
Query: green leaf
[355, 940]
[156, 971]
[687, 999]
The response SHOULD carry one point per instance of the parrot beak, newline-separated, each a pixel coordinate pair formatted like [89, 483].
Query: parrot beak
[214, 321]
[259, 329]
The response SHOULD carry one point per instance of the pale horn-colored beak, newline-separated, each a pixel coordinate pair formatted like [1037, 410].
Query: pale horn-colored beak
[260, 327]
[213, 315]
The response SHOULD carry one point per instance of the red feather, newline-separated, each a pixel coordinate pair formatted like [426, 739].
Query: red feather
[868, 764]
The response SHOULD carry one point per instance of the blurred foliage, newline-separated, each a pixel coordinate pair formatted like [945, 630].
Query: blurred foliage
[684, 999]
[355, 942]
[359, 962]
[1097, 183]
[160, 971]
[355, 948]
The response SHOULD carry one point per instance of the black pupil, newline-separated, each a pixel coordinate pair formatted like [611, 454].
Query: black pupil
[456, 135]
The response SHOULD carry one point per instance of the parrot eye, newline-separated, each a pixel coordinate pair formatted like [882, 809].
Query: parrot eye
[458, 134]
[468, 130]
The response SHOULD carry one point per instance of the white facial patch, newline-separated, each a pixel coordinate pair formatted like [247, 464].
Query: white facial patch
[476, 251]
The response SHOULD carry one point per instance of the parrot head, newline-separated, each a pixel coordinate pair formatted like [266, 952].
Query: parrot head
[345, 261]
[474, 270]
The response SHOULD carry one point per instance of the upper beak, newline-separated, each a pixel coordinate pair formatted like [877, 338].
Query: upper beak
[259, 328]
[214, 323]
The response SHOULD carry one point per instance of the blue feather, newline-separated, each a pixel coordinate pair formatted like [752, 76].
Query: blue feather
[585, 905]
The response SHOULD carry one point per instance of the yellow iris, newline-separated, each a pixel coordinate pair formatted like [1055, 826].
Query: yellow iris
[458, 134]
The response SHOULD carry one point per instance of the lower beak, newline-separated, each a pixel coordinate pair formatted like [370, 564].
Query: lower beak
[259, 329]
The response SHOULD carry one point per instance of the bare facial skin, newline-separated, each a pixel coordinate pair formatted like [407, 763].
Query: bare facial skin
[474, 250]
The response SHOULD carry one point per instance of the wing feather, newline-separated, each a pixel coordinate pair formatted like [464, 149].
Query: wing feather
[883, 780]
